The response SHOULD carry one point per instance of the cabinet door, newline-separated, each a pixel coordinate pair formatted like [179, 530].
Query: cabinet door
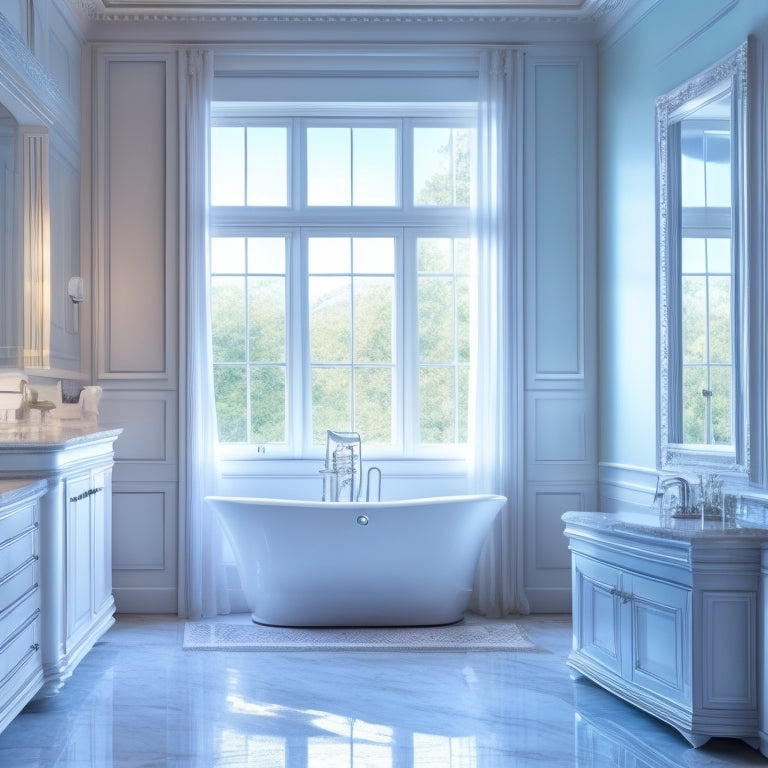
[79, 556]
[597, 620]
[659, 637]
[101, 501]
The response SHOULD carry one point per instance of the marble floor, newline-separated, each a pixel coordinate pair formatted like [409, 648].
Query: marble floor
[139, 700]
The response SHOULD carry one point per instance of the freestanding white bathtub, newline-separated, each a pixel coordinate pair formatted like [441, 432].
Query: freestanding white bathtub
[399, 563]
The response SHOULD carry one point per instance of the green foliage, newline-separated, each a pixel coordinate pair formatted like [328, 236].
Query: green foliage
[451, 184]
[707, 354]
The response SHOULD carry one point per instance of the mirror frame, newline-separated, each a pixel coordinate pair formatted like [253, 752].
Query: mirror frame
[728, 75]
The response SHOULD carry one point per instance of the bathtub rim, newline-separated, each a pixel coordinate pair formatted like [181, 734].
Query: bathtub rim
[418, 501]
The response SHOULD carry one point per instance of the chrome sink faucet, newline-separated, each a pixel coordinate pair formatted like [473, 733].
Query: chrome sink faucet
[676, 482]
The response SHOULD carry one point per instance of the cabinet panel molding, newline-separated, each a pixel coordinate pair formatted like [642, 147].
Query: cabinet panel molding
[139, 531]
[135, 207]
[148, 420]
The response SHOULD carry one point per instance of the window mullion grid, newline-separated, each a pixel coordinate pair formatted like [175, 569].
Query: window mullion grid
[455, 284]
[302, 384]
[409, 363]
[248, 365]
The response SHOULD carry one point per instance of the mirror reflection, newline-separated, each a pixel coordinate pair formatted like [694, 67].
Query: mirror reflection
[706, 277]
[702, 271]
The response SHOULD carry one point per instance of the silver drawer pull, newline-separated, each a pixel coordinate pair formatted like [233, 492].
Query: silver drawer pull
[19, 536]
[85, 494]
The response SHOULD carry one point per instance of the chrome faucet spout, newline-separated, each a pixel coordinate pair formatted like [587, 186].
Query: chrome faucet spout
[677, 482]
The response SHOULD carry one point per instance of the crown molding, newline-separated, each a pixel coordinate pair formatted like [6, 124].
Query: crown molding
[26, 89]
[240, 11]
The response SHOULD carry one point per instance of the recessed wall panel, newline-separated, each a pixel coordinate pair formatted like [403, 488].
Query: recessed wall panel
[549, 544]
[143, 421]
[558, 229]
[560, 430]
[138, 531]
[136, 217]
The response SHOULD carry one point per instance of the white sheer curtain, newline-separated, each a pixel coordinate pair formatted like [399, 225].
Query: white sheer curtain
[497, 387]
[203, 592]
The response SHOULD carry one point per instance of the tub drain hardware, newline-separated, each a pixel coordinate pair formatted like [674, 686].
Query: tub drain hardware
[362, 520]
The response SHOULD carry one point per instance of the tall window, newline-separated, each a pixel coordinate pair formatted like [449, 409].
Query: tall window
[706, 282]
[342, 276]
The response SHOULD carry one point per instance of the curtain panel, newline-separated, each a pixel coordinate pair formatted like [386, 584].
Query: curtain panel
[497, 381]
[203, 589]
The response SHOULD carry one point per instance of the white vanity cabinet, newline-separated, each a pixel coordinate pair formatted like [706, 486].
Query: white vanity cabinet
[88, 537]
[21, 662]
[666, 617]
[75, 532]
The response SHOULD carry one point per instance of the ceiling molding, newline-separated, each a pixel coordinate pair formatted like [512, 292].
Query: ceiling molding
[239, 11]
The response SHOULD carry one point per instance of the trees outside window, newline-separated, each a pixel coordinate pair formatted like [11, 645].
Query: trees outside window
[342, 279]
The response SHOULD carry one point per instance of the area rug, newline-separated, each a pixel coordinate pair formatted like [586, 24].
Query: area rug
[474, 634]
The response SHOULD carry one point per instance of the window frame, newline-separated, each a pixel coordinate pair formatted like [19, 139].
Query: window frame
[297, 220]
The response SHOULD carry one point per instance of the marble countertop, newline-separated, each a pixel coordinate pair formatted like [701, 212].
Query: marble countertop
[14, 489]
[31, 434]
[679, 529]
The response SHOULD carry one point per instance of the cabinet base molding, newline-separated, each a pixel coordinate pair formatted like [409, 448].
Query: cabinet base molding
[56, 673]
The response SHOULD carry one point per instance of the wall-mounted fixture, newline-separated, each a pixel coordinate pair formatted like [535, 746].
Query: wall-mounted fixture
[75, 289]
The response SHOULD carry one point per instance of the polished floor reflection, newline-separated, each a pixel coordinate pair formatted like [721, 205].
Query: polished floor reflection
[138, 700]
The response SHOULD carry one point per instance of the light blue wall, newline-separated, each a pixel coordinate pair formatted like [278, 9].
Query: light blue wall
[667, 42]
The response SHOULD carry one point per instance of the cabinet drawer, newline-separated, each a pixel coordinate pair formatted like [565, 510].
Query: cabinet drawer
[14, 587]
[16, 551]
[21, 638]
[17, 521]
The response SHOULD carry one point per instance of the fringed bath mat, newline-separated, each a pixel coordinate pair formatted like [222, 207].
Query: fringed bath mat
[474, 634]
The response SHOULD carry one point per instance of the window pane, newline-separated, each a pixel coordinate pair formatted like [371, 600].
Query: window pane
[329, 255]
[266, 255]
[437, 399]
[330, 319]
[694, 405]
[442, 166]
[694, 320]
[463, 405]
[434, 254]
[230, 387]
[692, 179]
[694, 255]
[331, 402]
[719, 254]
[268, 165]
[227, 255]
[436, 327]
[720, 320]
[717, 146]
[228, 319]
[268, 404]
[373, 327]
[374, 255]
[266, 319]
[462, 165]
[227, 166]
[462, 255]
[329, 166]
[374, 166]
[463, 320]
[722, 404]
[374, 404]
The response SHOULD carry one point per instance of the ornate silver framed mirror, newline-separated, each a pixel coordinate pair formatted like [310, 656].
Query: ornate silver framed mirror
[703, 265]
